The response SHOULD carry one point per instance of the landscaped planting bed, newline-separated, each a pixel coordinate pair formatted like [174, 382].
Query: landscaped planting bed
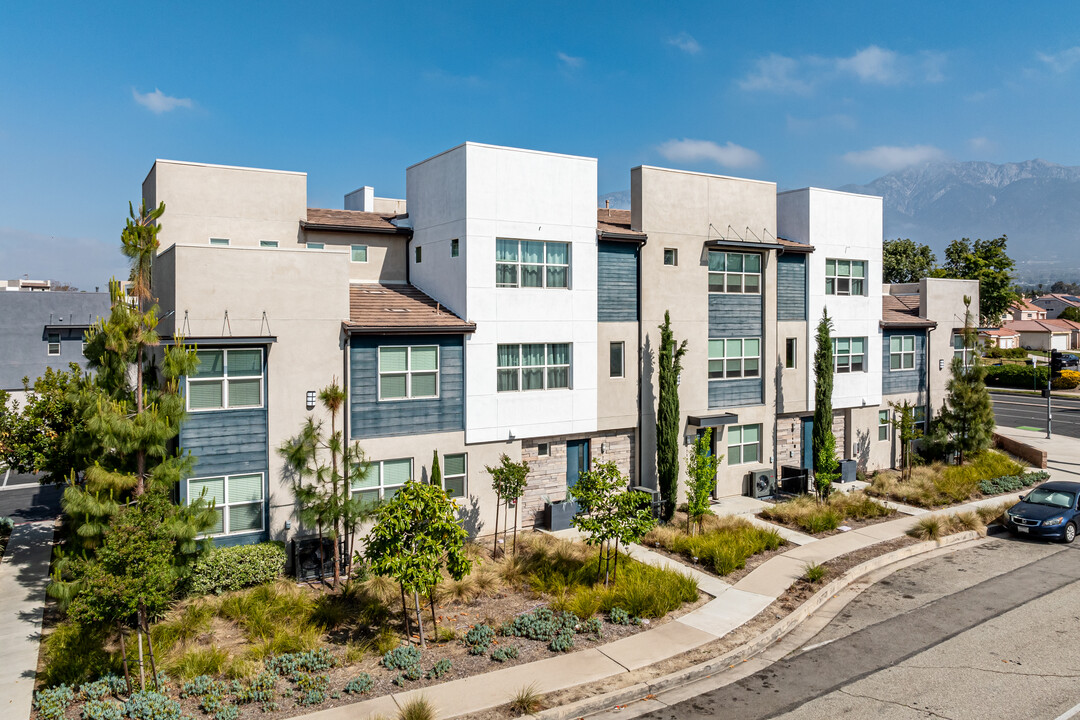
[281, 649]
[722, 548]
[815, 517]
[937, 485]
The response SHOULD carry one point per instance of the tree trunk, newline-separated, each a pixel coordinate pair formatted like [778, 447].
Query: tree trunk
[322, 555]
[337, 557]
[405, 614]
[615, 570]
[495, 544]
[599, 563]
[419, 618]
[140, 454]
[142, 671]
[516, 503]
[149, 645]
[434, 622]
[123, 657]
[506, 512]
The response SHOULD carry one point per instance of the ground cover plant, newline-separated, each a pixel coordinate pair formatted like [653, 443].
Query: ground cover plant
[723, 546]
[939, 484]
[808, 513]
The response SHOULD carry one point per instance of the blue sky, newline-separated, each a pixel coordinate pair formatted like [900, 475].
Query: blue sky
[352, 93]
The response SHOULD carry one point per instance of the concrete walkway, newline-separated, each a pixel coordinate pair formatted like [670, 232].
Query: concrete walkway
[24, 573]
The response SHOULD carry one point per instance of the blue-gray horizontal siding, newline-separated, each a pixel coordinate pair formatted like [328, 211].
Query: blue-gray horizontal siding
[894, 382]
[791, 287]
[616, 282]
[735, 393]
[734, 315]
[370, 418]
[226, 442]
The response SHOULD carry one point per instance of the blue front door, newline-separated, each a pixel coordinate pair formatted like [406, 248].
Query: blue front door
[577, 460]
[808, 443]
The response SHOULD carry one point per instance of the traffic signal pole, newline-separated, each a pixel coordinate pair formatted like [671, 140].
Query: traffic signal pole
[1056, 366]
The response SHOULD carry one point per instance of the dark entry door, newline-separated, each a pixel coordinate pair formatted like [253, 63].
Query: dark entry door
[808, 443]
[577, 460]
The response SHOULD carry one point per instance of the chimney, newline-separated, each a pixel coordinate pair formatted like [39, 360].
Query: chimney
[362, 199]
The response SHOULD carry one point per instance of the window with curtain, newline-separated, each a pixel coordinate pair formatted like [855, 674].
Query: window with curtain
[902, 352]
[239, 501]
[532, 263]
[849, 354]
[454, 475]
[732, 272]
[734, 358]
[408, 372]
[744, 444]
[226, 379]
[533, 366]
[845, 277]
[383, 479]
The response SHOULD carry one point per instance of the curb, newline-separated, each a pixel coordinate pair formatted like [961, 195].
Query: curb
[747, 650]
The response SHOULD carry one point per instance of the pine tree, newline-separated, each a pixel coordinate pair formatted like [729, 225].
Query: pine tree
[823, 442]
[667, 417]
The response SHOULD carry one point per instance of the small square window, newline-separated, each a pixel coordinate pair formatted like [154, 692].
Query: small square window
[268, 243]
[315, 246]
[790, 353]
[542, 449]
[671, 256]
[418, 255]
[359, 253]
[219, 241]
[54, 343]
[615, 358]
[454, 248]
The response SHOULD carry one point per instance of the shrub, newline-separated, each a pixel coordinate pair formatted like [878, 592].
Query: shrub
[725, 545]
[417, 709]
[478, 639]
[618, 616]
[1011, 483]
[6, 525]
[996, 352]
[815, 573]
[935, 527]
[525, 701]
[929, 527]
[52, 703]
[359, 685]
[439, 669]
[939, 484]
[1068, 380]
[993, 513]
[150, 705]
[76, 654]
[240, 566]
[401, 658]
[308, 661]
[502, 654]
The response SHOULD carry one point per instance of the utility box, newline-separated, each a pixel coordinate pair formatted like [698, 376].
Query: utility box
[761, 483]
[306, 556]
[848, 469]
[654, 498]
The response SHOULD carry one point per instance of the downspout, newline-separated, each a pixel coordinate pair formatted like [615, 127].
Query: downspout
[778, 374]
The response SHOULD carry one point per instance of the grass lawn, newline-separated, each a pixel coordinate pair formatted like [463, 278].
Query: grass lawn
[723, 546]
[817, 517]
[937, 484]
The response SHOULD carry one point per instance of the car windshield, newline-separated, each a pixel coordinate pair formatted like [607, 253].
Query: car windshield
[1053, 498]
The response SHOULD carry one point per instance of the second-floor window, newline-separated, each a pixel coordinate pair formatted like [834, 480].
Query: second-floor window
[226, 379]
[960, 350]
[532, 263]
[731, 272]
[849, 354]
[734, 358]
[535, 366]
[408, 372]
[901, 352]
[845, 277]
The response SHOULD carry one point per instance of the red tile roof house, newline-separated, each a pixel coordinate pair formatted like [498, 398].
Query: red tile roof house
[1045, 334]
[1000, 338]
[1055, 304]
[1024, 309]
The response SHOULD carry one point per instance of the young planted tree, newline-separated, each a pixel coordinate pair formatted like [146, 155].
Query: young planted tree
[823, 442]
[701, 480]
[903, 423]
[417, 534]
[669, 360]
[325, 471]
[508, 480]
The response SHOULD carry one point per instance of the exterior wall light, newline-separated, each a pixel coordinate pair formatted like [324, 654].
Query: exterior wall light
[310, 399]
[941, 364]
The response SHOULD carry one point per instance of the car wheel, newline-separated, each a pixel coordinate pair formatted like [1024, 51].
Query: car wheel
[1070, 533]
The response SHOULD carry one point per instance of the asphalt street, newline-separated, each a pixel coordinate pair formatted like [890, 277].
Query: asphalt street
[982, 633]
[1028, 411]
[24, 498]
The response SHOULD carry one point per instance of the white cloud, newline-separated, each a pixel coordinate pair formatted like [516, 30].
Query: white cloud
[1062, 61]
[871, 65]
[685, 42]
[892, 157]
[158, 102]
[693, 151]
[981, 144]
[777, 73]
[569, 60]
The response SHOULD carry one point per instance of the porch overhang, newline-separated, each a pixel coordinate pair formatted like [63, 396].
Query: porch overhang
[711, 420]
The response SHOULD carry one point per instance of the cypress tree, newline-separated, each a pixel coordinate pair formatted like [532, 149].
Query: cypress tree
[667, 417]
[823, 442]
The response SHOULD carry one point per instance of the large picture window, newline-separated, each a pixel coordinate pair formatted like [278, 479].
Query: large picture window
[384, 478]
[226, 379]
[849, 354]
[902, 352]
[535, 366]
[454, 476]
[408, 372]
[532, 263]
[744, 444]
[845, 277]
[731, 272]
[238, 502]
[734, 358]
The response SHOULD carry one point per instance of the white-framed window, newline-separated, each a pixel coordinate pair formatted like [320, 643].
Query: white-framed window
[734, 358]
[671, 256]
[901, 352]
[315, 246]
[849, 353]
[268, 243]
[408, 372]
[454, 476]
[53, 339]
[531, 263]
[733, 272]
[226, 379]
[359, 253]
[616, 368]
[966, 354]
[883, 425]
[384, 478]
[791, 355]
[845, 277]
[455, 247]
[744, 444]
[238, 501]
[534, 366]
[222, 242]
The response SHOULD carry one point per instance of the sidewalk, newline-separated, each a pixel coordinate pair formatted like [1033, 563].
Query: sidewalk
[24, 573]
[1062, 452]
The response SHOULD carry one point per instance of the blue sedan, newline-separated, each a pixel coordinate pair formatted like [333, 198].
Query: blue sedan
[1048, 511]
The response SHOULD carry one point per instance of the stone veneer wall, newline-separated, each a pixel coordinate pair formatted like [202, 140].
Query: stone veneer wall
[839, 428]
[547, 475]
[789, 441]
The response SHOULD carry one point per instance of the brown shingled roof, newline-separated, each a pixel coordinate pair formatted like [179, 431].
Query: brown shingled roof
[1036, 326]
[375, 308]
[610, 222]
[897, 312]
[351, 221]
[792, 246]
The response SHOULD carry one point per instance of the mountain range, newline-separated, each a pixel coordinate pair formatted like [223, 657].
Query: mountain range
[1036, 203]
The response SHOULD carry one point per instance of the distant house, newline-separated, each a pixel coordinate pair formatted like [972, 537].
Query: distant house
[1042, 334]
[1000, 338]
[1055, 304]
[1024, 309]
